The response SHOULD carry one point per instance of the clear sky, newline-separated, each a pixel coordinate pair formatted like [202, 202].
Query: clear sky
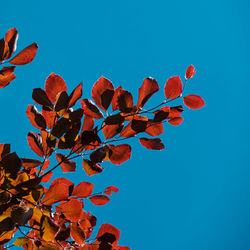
[195, 194]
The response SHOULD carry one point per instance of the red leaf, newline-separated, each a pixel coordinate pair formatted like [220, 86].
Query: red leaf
[102, 93]
[152, 143]
[47, 177]
[50, 118]
[110, 131]
[173, 87]
[57, 192]
[75, 95]
[63, 180]
[99, 200]
[54, 85]
[30, 163]
[11, 39]
[91, 109]
[40, 97]
[117, 93]
[77, 234]
[84, 189]
[91, 168]
[119, 153]
[36, 118]
[154, 128]
[71, 209]
[108, 190]
[190, 72]
[25, 56]
[88, 123]
[108, 229]
[175, 112]
[67, 165]
[128, 131]
[4, 150]
[176, 121]
[193, 101]
[148, 88]
[35, 143]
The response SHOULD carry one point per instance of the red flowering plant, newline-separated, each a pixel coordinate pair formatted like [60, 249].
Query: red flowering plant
[54, 218]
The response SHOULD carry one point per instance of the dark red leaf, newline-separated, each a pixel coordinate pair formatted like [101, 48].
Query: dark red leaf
[82, 190]
[110, 131]
[54, 85]
[173, 87]
[30, 163]
[107, 228]
[98, 155]
[25, 56]
[128, 131]
[99, 200]
[4, 150]
[175, 111]
[114, 119]
[161, 114]
[152, 143]
[61, 127]
[190, 72]
[61, 103]
[148, 88]
[193, 101]
[40, 97]
[102, 93]
[11, 164]
[88, 123]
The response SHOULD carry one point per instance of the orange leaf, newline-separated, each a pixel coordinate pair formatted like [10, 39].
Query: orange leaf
[66, 164]
[75, 95]
[128, 131]
[154, 128]
[84, 189]
[71, 209]
[50, 118]
[54, 85]
[91, 168]
[11, 39]
[77, 234]
[25, 56]
[99, 200]
[35, 143]
[88, 123]
[193, 101]
[48, 229]
[176, 121]
[6, 76]
[148, 88]
[175, 112]
[47, 177]
[190, 72]
[91, 109]
[173, 87]
[109, 189]
[152, 143]
[57, 192]
[102, 93]
[120, 153]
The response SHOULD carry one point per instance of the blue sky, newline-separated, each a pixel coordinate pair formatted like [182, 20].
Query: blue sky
[195, 194]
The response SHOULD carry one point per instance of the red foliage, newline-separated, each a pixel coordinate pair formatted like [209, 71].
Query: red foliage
[56, 215]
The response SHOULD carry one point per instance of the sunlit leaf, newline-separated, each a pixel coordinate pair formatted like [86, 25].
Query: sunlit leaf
[154, 128]
[71, 209]
[176, 121]
[54, 85]
[67, 165]
[25, 56]
[75, 95]
[6, 76]
[91, 109]
[120, 153]
[152, 143]
[148, 88]
[110, 189]
[77, 234]
[11, 39]
[35, 143]
[173, 87]
[20, 241]
[102, 93]
[190, 72]
[84, 189]
[99, 200]
[48, 229]
[108, 229]
[193, 101]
